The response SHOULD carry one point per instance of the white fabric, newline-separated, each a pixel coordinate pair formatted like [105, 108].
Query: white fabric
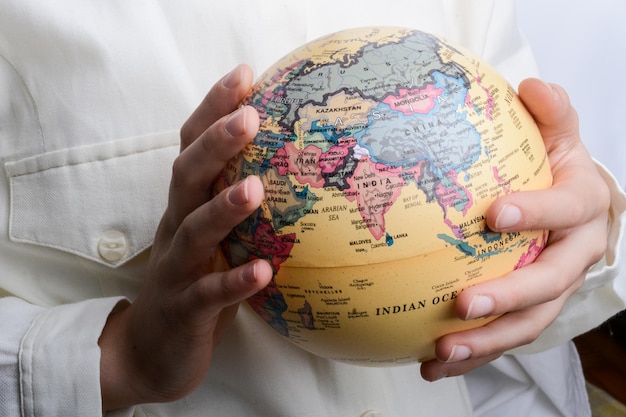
[47, 182]
[16, 316]
[91, 99]
[523, 386]
[76, 357]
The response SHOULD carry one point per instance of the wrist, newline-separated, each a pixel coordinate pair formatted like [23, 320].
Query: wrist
[115, 379]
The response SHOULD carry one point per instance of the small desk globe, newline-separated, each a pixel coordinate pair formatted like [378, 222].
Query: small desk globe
[380, 150]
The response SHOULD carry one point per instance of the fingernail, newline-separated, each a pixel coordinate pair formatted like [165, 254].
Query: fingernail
[459, 353]
[231, 80]
[238, 195]
[481, 306]
[439, 376]
[236, 123]
[508, 217]
[249, 274]
[554, 91]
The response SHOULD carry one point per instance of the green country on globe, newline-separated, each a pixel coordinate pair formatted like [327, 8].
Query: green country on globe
[380, 150]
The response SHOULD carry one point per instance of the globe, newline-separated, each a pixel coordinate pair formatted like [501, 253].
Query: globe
[380, 150]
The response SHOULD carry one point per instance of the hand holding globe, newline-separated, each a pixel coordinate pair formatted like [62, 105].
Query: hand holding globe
[200, 301]
[380, 150]
[575, 209]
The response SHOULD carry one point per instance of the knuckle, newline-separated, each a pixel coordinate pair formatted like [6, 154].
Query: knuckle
[179, 170]
[533, 333]
[564, 285]
[186, 134]
[186, 235]
[210, 291]
[207, 142]
[200, 291]
[603, 193]
[226, 287]
[597, 251]
[578, 212]
[559, 281]
[209, 100]
[560, 285]
[531, 330]
[169, 314]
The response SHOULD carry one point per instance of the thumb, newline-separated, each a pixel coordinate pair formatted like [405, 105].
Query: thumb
[550, 106]
[574, 173]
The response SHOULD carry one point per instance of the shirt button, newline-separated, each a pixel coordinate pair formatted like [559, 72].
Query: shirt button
[372, 413]
[112, 246]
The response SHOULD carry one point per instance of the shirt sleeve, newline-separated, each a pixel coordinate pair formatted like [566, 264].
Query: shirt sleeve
[17, 317]
[50, 358]
[604, 292]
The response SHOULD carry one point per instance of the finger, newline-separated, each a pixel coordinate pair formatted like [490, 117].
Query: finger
[196, 168]
[551, 108]
[207, 297]
[225, 96]
[434, 370]
[506, 332]
[198, 236]
[576, 197]
[206, 305]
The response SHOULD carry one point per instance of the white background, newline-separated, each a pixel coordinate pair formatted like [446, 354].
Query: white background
[581, 45]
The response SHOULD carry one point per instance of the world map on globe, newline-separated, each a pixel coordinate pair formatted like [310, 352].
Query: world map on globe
[380, 150]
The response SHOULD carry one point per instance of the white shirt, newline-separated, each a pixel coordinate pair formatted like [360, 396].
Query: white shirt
[91, 100]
